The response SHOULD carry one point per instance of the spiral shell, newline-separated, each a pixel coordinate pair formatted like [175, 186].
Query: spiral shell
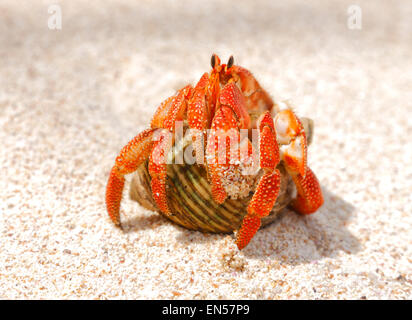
[190, 197]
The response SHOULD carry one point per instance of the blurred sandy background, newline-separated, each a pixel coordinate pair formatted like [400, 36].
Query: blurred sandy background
[71, 98]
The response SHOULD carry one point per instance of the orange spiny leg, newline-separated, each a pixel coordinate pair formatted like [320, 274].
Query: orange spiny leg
[168, 114]
[162, 112]
[158, 169]
[130, 158]
[294, 154]
[250, 225]
[178, 108]
[171, 109]
[260, 206]
[197, 113]
[268, 188]
[198, 116]
[309, 197]
[268, 146]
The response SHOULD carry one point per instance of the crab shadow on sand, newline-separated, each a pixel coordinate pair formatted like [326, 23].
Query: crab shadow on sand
[296, 239]
[140, 223]
[293, 239]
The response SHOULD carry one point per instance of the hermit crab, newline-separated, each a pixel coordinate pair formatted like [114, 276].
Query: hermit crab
[241, 157]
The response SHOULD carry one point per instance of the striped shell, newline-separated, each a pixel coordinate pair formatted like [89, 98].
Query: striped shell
[190, 198]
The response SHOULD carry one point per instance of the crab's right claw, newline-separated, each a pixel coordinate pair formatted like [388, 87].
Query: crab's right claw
[130, 158]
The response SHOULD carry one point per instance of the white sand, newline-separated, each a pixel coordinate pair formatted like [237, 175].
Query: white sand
[70, 99]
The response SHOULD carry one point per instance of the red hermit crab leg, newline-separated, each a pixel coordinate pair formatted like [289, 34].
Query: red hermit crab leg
[169, 113]
[291, 136]
[268, 188]
[140, 148]
[309, 197]
[130, 158]
[198, 115]
[158, 167]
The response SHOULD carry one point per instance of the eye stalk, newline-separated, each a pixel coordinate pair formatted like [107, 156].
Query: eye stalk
[230, 62]
[213, 61]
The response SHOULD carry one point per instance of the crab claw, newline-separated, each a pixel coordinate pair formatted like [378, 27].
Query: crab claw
[292, 138]
[218, 150]
[130, 158]
[230, 116]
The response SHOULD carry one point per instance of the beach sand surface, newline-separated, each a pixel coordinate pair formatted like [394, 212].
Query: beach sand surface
[71, 98]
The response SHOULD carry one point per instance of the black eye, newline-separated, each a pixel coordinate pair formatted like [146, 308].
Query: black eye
[230, 62]
[213, 61]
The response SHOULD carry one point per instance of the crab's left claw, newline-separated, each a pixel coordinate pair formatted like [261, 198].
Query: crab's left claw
[291, 136]
[218, 150]
[224, 138]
